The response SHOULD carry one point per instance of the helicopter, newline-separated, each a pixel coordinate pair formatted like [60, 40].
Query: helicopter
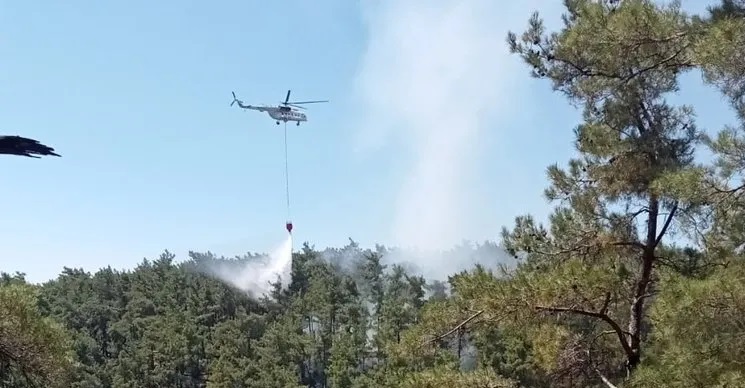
[285, 111]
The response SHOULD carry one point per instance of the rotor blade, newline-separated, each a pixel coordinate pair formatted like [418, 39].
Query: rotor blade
[288, 96]
[307, 102]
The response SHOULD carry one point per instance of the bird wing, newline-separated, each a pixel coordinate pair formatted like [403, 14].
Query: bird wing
[23, 146]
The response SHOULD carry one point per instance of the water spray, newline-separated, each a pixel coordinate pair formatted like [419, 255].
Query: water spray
[256, 275]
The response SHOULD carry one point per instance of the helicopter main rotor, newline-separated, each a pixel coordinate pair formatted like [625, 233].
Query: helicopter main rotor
[296, 104]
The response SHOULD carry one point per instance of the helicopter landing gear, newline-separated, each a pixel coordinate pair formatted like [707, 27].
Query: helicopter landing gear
[277, 122]
[298, 124]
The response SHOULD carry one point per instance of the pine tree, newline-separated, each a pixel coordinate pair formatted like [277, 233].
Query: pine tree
[595, 267]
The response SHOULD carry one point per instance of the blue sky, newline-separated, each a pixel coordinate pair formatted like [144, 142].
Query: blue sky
[430, 119]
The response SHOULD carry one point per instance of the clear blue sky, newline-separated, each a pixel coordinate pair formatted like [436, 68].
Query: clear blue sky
[135, 96]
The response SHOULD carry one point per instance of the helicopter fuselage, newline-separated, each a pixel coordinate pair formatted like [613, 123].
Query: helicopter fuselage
[286, 115]
[278, 113]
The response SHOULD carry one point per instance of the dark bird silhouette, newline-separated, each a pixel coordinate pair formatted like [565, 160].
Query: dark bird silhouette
[22, 146]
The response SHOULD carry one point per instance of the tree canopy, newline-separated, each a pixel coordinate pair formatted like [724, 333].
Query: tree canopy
[635, 280]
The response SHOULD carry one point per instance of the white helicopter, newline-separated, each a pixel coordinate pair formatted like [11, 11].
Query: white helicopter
[282, 112]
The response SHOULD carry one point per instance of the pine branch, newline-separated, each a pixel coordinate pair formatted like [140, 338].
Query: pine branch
[624, 78]
[599, 315]
[666, 224]
[635, 244]
[604, 309]
[453, 330]
[604, 379]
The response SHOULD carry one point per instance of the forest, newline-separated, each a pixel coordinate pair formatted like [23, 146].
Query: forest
[637, 279]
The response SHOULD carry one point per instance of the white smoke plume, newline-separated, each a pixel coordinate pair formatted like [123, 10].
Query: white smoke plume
[438, 73]
[255, 275]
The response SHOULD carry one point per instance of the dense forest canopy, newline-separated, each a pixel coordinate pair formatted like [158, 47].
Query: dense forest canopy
[636, 280]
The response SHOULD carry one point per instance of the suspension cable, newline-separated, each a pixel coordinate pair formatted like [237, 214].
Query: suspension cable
[287, 176]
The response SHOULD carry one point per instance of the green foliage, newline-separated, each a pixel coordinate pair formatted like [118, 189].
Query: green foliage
[435, 378]
[721, 51]
[699, 332]
[34, 350]
[603, 293]
[233, 351]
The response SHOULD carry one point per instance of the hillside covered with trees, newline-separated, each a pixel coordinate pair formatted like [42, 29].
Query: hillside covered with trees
[636, 280]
